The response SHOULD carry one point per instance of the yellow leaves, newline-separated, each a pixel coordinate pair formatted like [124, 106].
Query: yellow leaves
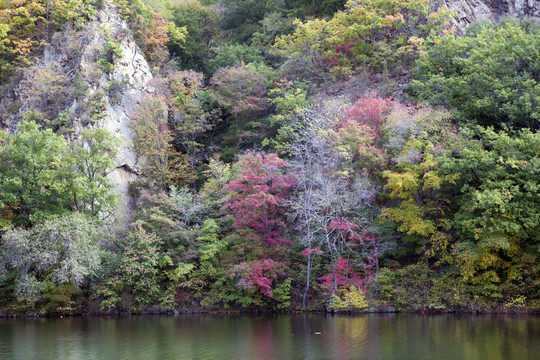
[351, 298]
[397, 18]
[401, 185]
[450, 30]
[177, 34]
[410, 217]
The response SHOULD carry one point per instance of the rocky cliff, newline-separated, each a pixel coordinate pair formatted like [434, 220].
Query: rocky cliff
[69, 82]
[468, 11]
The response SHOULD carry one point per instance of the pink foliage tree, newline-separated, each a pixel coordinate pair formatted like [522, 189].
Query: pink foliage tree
[258, 196]
[257, 202]
[360, 130]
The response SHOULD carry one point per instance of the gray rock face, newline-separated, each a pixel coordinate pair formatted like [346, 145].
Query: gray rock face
[133, 73]
[469, 11]
[77, 51]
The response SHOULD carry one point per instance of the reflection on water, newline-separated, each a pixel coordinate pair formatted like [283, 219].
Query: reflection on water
[373, 336]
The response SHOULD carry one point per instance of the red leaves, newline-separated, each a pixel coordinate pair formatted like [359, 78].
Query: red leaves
[308, 251]
[369, 111]
[259, 195]
[342, 224]
[344, 276]
[257, 202]
[361, 131]
[260, 274]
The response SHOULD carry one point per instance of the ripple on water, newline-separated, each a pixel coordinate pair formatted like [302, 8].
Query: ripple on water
[373, 336]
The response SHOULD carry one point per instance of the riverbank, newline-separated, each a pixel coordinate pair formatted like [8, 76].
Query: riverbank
[501, 310]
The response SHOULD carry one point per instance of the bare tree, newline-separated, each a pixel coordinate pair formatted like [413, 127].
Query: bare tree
[327, 190]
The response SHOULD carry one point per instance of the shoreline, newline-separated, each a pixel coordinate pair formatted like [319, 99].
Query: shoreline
[522, 311]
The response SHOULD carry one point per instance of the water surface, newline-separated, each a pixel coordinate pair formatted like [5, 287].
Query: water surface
[370, 336]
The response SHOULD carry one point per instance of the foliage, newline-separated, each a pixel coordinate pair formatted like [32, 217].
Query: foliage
[162, 165]
[258, 194]
[352, 298]
[135, 283]
[239, 89]
[59, 252]
[230, 55]
[256, 202]
[93, 158]
[152, 31]
[367, 31]
[496, 214]
[186, 112]
[25, 25]
[361, 131]
[202, 25]
[43, 176]
[419, 211]
[112, 52]
[489, 76]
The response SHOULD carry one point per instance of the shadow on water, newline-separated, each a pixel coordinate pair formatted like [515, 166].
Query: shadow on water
[303, 336]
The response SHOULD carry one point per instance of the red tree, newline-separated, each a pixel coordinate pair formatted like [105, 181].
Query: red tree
[257, 203]
[259, 195]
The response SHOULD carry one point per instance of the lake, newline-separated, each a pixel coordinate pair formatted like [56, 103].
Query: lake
[303, 336]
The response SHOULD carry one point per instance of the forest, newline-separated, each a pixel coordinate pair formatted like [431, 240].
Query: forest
[337, 156]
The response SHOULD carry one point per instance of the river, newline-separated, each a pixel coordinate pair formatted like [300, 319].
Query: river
[311, 336]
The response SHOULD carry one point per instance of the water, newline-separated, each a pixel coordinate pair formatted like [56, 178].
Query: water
[373, 336]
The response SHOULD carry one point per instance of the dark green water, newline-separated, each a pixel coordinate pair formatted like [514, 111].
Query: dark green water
[374, 336]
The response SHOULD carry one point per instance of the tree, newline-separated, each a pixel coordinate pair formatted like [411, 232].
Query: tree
[240, 90]
[496, 209]
[60, 251]
[202, 25]
[33, 170]
[369, 31]
[326, 193]
[415, 184]
[257, 196]
[187, 115]
[256, 200]
[135, 282]
[161, 164]
[502, 91]
[361, 131]
[92, 159]
[20, 34]
[237, 54]
[43, 176]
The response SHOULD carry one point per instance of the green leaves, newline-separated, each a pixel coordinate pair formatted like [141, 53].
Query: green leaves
[490, 76]
[60, 251]
[43, 176]
[497, 199]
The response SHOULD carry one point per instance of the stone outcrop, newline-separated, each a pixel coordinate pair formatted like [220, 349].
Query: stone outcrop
[72, 52]
[469, 11]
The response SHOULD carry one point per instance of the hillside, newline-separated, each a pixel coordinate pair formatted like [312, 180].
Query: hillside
[161, 156]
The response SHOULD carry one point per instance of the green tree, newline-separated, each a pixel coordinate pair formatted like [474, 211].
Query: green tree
[92, 159]
[236, 54]
[33, 169]
[202, 25]
[43, 176]
[135, 281]
[45, 257]
[496, 213]
[187, 114]
[491, 75]
[415, 183]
